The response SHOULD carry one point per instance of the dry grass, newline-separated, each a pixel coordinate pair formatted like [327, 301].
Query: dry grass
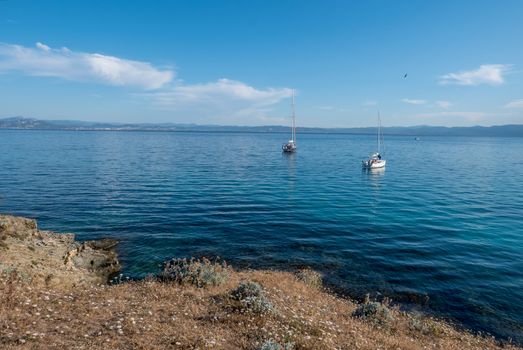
[161, 315]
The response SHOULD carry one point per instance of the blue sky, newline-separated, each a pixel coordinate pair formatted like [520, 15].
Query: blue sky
[236, 62]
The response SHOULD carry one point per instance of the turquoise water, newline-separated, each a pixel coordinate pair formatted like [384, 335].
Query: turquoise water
[440, 229]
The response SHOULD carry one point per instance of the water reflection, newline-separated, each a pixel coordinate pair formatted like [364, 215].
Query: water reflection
[290, 160]
[374, 175]
[375, 178]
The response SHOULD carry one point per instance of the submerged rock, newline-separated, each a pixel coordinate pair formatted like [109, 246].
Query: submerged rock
[54, 259]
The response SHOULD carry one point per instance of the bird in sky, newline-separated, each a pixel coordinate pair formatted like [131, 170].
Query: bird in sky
[405, 76]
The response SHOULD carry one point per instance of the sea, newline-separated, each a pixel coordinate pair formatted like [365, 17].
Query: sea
[439, 230]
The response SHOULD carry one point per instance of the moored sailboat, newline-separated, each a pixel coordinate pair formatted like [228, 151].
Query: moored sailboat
[375, 160]
[291, 146]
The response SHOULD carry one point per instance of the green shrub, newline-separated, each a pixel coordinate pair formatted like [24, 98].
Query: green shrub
[310, 278]
[247, 289]
[252, 298]
[3, 225]
[272, 345]
[200, 273]
[424, 325]
[374, 312]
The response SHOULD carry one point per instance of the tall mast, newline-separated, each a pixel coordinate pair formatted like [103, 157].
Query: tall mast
[379, 130]
[293, 119]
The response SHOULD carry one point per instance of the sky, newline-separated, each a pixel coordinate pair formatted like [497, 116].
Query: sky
[237, 62]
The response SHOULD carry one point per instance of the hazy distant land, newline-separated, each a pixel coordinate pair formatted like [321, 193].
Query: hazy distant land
[514, 130]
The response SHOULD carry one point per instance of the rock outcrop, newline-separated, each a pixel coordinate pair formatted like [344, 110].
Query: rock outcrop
[54, 259]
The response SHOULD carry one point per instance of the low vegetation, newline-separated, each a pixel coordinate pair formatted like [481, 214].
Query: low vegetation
[272, 345]
[424, 324]
[252, 298]
[375, 312]
[153, 314]
[310, 277]
[3, 234]
[199, 273]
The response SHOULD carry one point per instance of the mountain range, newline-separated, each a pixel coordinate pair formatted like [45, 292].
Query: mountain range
[514, 130]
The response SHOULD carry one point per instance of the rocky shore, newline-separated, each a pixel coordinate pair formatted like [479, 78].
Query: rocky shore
[54, 295]
[53, 260]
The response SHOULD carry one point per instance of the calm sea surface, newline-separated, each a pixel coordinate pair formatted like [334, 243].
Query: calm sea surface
[440, 229]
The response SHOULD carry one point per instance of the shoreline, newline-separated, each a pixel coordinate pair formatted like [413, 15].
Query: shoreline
[54, 293]
[264, 132]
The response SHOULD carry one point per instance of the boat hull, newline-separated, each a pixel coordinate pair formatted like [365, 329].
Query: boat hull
[374, 165]
[288, 149]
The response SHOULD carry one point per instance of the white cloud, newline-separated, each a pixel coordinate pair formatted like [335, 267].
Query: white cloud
[226, 99]
[80, 66]
[370, 103]
[413, 101]
[222, 88]
[515, 104]
[444, 104]
[440, 104]
[332, 109]
[492, 74]
[43, 47]
[223, 97]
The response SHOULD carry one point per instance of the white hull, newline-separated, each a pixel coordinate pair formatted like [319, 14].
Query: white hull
[289, 148]
[374, 165]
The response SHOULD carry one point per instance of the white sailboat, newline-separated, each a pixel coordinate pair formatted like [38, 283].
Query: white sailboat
[375, 161]
[290, 146]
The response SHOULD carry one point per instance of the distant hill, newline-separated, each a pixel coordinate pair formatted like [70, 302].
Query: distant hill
[515, 130]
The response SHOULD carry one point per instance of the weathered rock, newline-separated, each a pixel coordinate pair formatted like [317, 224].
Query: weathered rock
[53, 259]
[17, 226]
[104, 243]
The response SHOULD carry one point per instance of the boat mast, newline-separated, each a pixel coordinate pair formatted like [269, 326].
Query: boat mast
[379, 130]
[293, 120]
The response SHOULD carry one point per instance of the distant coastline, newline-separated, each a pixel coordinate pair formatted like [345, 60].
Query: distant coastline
[23, 123]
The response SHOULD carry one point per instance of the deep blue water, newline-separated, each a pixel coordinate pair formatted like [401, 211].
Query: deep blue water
[441, 228]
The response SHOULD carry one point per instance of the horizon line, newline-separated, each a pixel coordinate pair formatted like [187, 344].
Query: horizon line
[253, 126]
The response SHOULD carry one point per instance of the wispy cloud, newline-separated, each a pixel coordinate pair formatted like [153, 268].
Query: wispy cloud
[428, 103]
[414, 101]
[222, 88]
[444, 104]
[80, 66]
[332, 108]
[491, 74]
[222, 97]
[515, 104]
[370, 103]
